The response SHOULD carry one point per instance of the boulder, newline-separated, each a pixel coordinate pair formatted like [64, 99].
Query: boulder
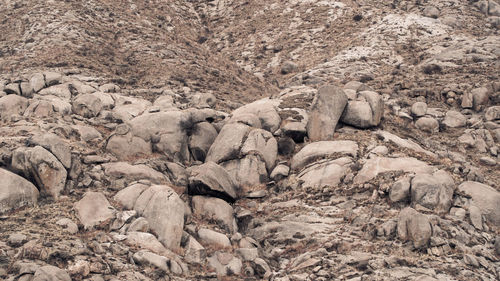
[213, 180]
[39, 108]
[146, 241]
[454, 119]
[16, 192]
[55, 145]
[167, 132]
[202, 137]
[419, 109]
[427, 124]
[12, 105]
[39, 164]
[262, 143]
[364, 112]
[26, 89]
[126, 108]
[127, 196]
[325, 113]
[61, 91]
[215, 209]
[281, 171]
[228, 143]
[295, 130]
[93, 209]
[321, 149]
[476, 99]
[167, 264]
[50, 273]
[492, 113]
[128, 147]
[37, 82]
[52, 78]
[213, 238]
[164, 210]
[433, 191]
[87, 105]
[414, 226]
[59, 105]
[400, 190]
[86, 133]
[288, 67]
[12, 89]
[247, 173]
[265, 109]
[194, 251]
[377, 165]
[485, 197]
[225, 264]
[431, 12]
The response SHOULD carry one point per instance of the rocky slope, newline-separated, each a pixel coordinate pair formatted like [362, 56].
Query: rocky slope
[261, 140]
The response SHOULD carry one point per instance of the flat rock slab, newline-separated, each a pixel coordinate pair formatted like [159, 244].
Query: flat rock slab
[93, 209]
[377, 165]
[16, 191]
[321, 149]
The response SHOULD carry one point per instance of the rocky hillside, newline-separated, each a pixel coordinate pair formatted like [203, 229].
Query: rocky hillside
[249, 140]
